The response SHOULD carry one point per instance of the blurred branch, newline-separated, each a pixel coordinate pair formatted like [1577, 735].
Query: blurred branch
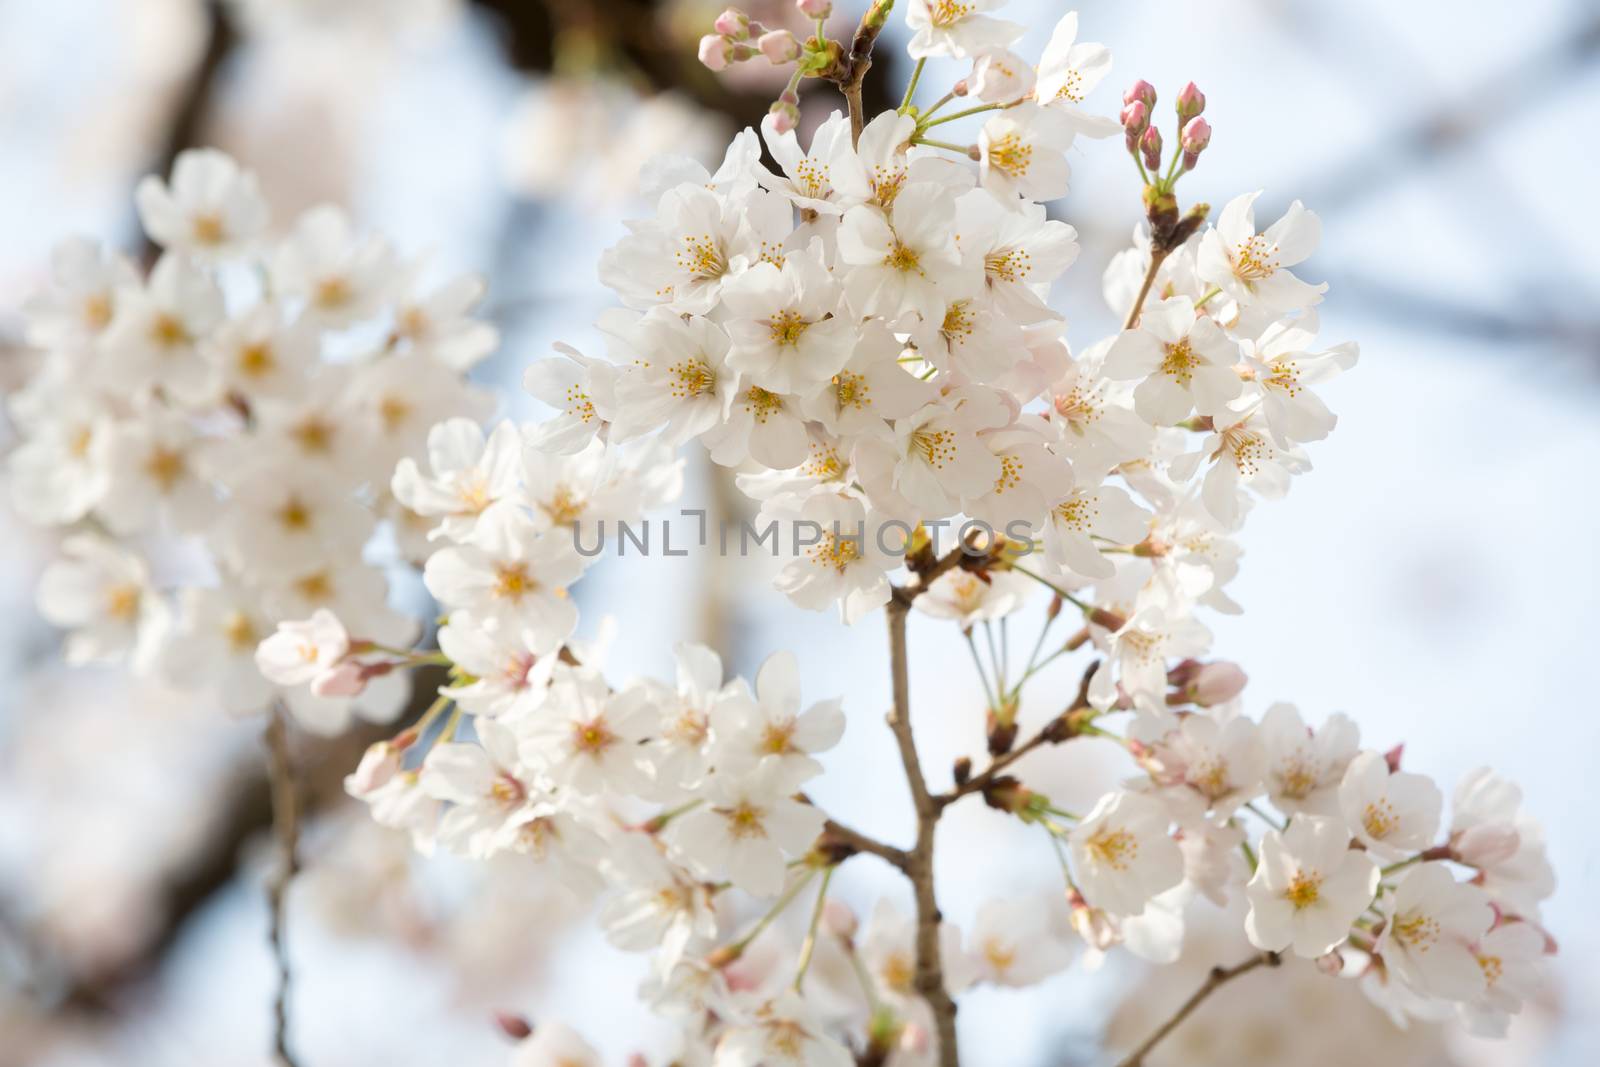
[286, 829]
[1218, 977]
[194, 105]
[1487, 106]
[245, 814]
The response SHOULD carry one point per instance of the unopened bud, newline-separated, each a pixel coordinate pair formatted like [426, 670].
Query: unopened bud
[1008, 795]
[346, 678]
[1486, 846]
[716, 51]
[1215, 683]
[961, 770]
[779, 46]
[1190, 103]
[814, 9]
[839, 919]
[378, 765]
[1098, 929]
[1196, 135]
[733, 23]
[1142, 91]
[513, 1026]
[1329, 963]
[785, 115]
[1393, 756]
[1150, 146]
[960, 88]
[1135, 118]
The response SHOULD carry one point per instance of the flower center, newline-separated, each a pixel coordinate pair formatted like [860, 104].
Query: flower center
[1305, 889]
[936, 447]
[786, 327]
[1010, 155]
[1113, 848]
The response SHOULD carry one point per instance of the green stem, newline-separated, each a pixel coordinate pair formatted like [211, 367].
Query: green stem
[911, 88]
[977, 661]
[1053, 587]
[1205, 298]
[965, 150]
[809, 946]
[777, 909]
[963, 114]
[1265, 817]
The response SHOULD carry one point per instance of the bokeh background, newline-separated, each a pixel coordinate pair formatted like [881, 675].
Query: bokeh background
[1435, 576]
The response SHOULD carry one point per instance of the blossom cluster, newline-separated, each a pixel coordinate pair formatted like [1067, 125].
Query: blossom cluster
[864, 336]
[216, 436]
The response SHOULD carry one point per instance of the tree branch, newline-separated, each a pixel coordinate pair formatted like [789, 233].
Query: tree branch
[852, 72]
[929, 978]
[1218, 977]
[286, 830]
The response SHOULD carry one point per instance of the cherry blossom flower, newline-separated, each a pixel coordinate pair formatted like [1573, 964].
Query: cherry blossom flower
[1432, 922]
[1303, 766]
[1252, 267]
[211, 208]
[101, 592]
[772, 727]
[748, 827]
[1392, 814]
[1122, 853]
[956, 28]
[1308, 888]
[1183, 363]
[1011, 944]
[507, 573]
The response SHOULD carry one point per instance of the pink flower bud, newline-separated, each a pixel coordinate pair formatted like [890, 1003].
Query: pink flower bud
[513, 1026]
[1330, 963]
[779, 46]
[814, 9]
[1150, 145]
[1135, 117]
[785, 115]
[1216, 683]
[378, 765]
[914, 1039]
[1141, 90]
[1190, 103]
[716, 51]
[1196, 135]
[733, 23]
[344, 679]
[839, 919]
[1392, 757]
[1486, 846]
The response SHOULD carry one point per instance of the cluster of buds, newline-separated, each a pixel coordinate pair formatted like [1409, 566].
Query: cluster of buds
[1142, 137]
[736, 37]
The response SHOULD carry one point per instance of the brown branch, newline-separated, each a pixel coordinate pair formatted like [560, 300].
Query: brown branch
[286, 830]
[852, 70]
[1218, 977]
[194, 106]
[1157, 257]
[929, 976]
[837, 836]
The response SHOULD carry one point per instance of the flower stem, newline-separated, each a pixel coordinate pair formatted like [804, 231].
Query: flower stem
[911, 87]
[809, 946]
[1218, 977]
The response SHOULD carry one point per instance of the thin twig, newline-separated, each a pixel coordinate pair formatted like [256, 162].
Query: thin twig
[286, 831]
[860, 842]
[929, 975]
[1218, 977]
[1157, 257]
